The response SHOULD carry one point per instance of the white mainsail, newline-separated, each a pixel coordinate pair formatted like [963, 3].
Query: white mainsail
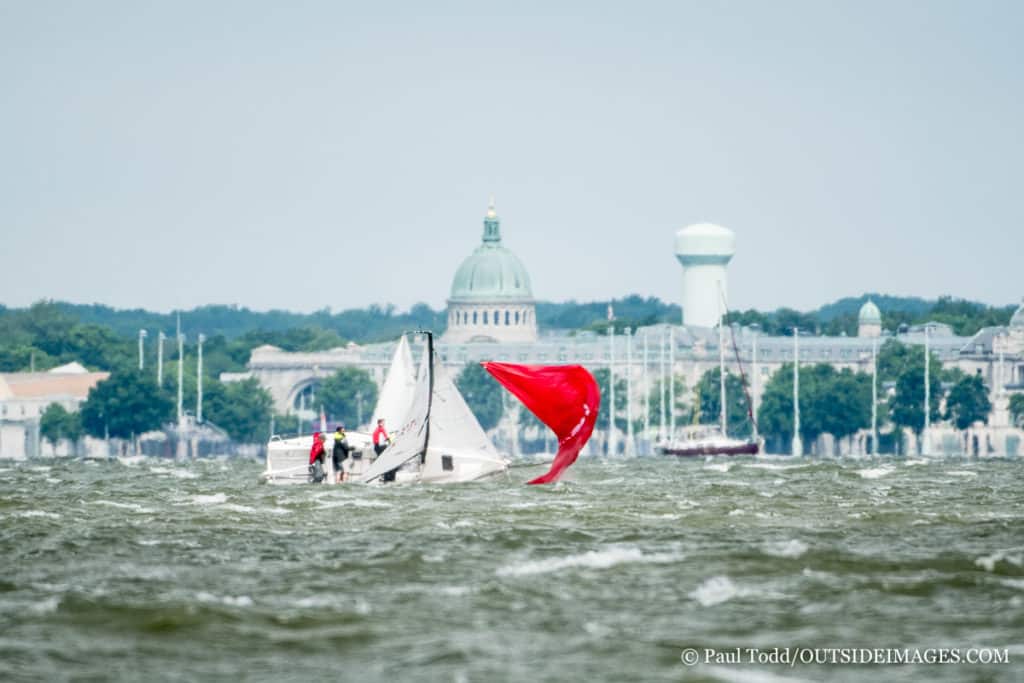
[398, 389]
[410, 440]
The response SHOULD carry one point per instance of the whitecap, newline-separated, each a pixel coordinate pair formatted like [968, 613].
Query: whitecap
[989, 562]
[135, 507]
[213, 499]
[876, 472]
[961, 473]
[737, 512]
[233, 507]
[594, 559]
[38, 513]
[40, 468]
[47, 605]
[230, 600]
[718, 466]
[52, 480]
[714, 591]
[791, 548]
[184, 474]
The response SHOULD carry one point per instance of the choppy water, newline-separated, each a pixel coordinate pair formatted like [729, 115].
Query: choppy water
[162, 571]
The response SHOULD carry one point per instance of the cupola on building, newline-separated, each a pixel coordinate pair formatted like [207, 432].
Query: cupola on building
[869, 320]
[491, 299]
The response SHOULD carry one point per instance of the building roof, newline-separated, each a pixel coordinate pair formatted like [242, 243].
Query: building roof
[492, 272]
[37, 385]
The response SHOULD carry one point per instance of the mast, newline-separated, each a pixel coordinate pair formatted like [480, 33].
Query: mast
[756, 383]
[671, 383]
[926, 445]
[611, 389]
[647, 399]
[798, 446]
[661, 383]
[629, 391]
[874, 396]
[721, 373]
[430, 393]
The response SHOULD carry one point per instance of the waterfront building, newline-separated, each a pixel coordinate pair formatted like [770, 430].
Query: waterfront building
[491, 316]
[24, 396]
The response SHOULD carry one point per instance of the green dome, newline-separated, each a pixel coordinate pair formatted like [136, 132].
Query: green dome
[870, 314]
[491, 272]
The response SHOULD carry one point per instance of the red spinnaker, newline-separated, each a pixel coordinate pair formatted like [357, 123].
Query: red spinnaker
[564, 397]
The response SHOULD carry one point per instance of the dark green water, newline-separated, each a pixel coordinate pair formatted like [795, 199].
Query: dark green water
[161, 571]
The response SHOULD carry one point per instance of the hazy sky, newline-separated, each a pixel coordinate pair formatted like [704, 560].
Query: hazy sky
[309, 154]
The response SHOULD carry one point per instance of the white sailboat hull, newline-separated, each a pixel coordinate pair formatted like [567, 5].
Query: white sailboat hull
[288, 459]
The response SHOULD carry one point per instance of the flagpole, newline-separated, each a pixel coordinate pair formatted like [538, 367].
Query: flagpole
[629, 391]
[611, 389]
[647, 398]
[671, 383]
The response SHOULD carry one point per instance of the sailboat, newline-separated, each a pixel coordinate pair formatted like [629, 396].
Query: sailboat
[288, 459]
[440, 440]
[699, 440]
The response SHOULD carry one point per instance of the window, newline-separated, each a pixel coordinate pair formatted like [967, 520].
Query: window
[507, 319]
[517, 322]
[474, 322]
[447, 465]
[497, 318]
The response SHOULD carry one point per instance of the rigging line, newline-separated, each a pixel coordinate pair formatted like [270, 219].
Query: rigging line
[739, 364]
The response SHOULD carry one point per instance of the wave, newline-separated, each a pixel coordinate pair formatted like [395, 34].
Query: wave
[791, 549]
[212, 499]
[135, 507]
[594, 559]
[876, 472]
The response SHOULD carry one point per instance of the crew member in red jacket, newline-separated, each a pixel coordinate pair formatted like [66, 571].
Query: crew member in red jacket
[316, 458]
[381, 440]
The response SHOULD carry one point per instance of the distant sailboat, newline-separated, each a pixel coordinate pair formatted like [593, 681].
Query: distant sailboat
[440, 440]
[707, 439]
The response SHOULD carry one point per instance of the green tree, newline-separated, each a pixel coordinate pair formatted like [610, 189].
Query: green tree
[968, 402]
[56, 423]
[125, 404]
[906, 406]
[482, 393]
[242, 409]
[1017, 409]
[709, 390]
[341, 392]
[837, 403]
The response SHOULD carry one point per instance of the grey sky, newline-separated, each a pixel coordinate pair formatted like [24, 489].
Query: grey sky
[302, 155]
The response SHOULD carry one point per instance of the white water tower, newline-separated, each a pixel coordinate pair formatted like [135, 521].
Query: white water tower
[704, 250]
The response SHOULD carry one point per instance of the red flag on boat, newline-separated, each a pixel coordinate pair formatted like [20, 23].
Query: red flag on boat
[564, 397]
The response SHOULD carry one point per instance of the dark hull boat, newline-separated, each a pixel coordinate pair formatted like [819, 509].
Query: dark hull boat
[710, 447]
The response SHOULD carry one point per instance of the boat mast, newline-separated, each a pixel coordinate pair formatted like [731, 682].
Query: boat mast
[430, 393]
[671, 383]
[798, 446]
[926, 446]
[611, 389]
[721, 366]
[661, 386]
[874, 396]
